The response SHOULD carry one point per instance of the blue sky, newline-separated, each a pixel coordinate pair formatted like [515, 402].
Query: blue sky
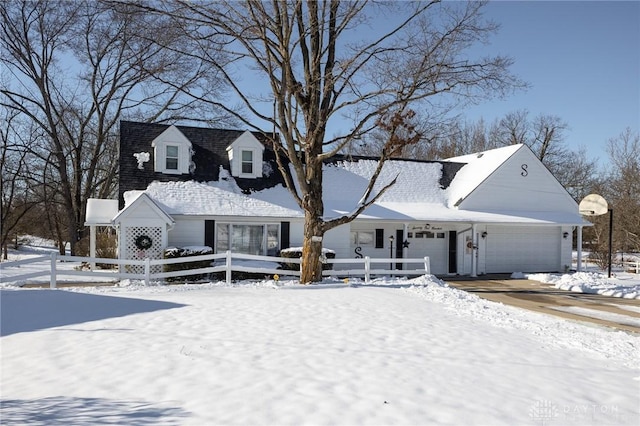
[582, 59]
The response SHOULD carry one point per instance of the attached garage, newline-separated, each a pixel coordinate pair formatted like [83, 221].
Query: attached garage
[433, 244]
[522, 248]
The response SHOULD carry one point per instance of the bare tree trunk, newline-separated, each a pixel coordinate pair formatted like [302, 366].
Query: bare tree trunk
[312, 249]
[313, 224]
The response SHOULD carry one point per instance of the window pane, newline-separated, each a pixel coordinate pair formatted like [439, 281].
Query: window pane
[247, 162]
[365, 238]
[171, 157]
[172, 163]
[273, 240]
[247, 239]
[222, 238]
[172, 151]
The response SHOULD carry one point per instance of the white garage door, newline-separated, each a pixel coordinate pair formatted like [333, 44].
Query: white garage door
[523, 249]
[433, 244]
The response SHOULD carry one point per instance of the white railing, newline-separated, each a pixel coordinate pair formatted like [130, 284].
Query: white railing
[631, 266]
[225, 262]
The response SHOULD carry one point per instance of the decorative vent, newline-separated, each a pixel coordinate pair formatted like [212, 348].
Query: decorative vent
[137, 239]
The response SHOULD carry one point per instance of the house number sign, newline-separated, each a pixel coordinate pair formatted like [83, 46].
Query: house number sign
[524, 171]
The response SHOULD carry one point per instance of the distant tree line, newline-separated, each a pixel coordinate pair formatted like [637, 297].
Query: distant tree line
[72, 70]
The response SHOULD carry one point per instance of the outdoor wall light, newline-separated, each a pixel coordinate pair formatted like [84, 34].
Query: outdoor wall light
[565, 235]
[484, 234]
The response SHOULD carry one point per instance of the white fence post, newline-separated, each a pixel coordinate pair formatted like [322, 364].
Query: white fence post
[228, 267]
[427, 265]
[52, 280]
[147, 271]
[367, 269]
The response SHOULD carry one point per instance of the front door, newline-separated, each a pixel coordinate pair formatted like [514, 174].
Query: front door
[465, 240]
[399, 246]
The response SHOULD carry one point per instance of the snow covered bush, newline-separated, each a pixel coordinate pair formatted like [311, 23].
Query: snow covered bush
[176, 252]
[296, 253]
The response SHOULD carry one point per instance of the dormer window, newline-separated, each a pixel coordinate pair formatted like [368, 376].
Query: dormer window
[245, 156]
[172, 152]
[247, 162]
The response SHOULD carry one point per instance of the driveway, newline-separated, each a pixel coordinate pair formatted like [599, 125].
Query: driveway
[613, 312]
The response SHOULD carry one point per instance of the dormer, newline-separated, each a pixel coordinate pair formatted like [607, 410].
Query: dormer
[172, 152]
[245, 156]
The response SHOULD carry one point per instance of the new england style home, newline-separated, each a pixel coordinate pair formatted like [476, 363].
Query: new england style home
[498, 211]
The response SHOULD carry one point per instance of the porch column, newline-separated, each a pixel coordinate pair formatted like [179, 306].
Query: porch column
[579, 249]
[474, 251]
[92, 245]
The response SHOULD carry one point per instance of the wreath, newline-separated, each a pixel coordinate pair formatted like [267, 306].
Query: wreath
[143, 242]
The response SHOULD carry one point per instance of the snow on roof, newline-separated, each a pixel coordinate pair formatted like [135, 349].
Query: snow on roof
[100, 211]
[196, 198]
[417, 194]
[478, 168]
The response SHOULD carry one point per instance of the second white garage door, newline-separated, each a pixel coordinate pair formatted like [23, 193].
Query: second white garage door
[525, 249]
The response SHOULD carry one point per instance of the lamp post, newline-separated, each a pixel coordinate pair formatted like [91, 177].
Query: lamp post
[391, 251]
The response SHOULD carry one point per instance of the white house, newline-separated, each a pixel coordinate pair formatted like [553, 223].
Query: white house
[498, 211]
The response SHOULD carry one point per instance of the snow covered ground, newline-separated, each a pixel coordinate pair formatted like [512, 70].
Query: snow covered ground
[396, 352]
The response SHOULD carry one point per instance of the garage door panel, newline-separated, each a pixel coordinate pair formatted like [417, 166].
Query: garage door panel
[435, 249]
[526, 249]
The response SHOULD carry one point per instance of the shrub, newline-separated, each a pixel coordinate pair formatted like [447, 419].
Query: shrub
[296, 253]
[176, 252]
[106, 248]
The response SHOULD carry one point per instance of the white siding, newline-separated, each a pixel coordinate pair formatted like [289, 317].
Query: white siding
[524, 249]
[522, 183]
[187, 232]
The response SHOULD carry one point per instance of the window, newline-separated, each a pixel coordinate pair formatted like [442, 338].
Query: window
[172, 152]
[248, 239]
[247, 162]
[171, 157]
[362, 238]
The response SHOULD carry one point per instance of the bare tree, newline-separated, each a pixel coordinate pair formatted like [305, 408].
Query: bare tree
[320, 63]
[545, 135]
[78, 68]
[15, 197]
[622, 189]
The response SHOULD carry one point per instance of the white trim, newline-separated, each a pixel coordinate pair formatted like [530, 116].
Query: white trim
[172, 137]
[246, 142]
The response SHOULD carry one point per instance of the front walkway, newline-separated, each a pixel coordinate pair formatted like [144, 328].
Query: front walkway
[614, 312]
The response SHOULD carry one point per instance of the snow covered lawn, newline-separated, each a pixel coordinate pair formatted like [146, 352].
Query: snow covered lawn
[398, 352]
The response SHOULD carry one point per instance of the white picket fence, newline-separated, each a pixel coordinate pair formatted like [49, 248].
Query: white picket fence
[632, 266]
[225, 262]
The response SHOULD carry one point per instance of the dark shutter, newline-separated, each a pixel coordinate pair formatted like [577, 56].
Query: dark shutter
[284, 235]
[453, 256]
[209, 233]
[379, 238]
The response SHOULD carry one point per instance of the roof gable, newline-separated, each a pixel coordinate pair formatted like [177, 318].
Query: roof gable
[510, 178]
[173, 135]
[246, 140]
[142, 207]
